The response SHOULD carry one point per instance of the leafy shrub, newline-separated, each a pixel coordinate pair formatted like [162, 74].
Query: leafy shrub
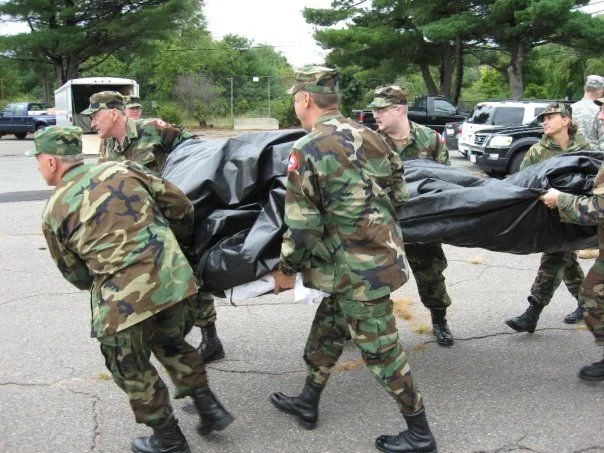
[170, 113]
[283, 111]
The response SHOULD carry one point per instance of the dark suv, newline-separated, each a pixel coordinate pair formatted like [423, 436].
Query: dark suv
[502, 149]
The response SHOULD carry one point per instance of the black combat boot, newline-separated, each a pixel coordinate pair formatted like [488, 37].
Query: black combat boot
[527, 321]
[305, 407]
[210, 348]
[593, 372]
[167, 439]
[440, 328]
[575, 316]
[417, 439]
[214, 417]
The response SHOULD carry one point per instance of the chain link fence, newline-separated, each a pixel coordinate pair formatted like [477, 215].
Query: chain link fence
[201, 100]
[205, 100]
[216, 101]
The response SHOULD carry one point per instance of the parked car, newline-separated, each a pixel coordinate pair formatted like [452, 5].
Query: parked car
[365, 117]
[489, 115]
[451, 134]
[435, 112]
[502, 149]
[23, 117]
[431, 111]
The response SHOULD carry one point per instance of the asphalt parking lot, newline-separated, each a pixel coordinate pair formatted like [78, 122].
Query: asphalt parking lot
[495, 390]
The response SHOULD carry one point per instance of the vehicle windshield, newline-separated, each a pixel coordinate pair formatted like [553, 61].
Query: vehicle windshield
[496, 115]
[33, 106]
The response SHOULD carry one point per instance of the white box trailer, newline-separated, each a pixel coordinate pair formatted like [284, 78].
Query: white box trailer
[73, 97]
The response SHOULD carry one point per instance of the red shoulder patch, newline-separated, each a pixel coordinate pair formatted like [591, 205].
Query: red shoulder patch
[293, 162]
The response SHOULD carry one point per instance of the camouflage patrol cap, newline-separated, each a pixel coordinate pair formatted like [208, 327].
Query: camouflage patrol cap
[133, 102]
[595, 82]
[315, 79]
[556, 107]
[57, 141]
[105, 100]
[387, 96]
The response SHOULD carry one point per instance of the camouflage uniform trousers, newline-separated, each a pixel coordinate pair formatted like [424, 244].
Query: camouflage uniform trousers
[592, 300]
[428, 263]
[127, 356]
[553, 269]
[201, 311]
[372, 326]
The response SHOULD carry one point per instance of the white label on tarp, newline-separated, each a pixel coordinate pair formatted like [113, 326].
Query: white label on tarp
[266, 284]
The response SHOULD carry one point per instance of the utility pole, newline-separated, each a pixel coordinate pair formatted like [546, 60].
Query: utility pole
[269, 95]
[232, 99]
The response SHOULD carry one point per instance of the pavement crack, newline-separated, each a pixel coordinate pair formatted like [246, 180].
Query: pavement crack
[485, 267]
[96, 419]
[13, 235]
[4, 302]
[57, 383]
[512, 446]
[476, 277]
[503, 266]
[255, 372]
[497, 334]
[95, 402]
[26, 384]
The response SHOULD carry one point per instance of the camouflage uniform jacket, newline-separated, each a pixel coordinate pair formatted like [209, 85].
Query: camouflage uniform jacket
[343, 234]
[585, 115]
[148, 142]
[422, 143]
[546, 148]
[586, 210]
[112, 228]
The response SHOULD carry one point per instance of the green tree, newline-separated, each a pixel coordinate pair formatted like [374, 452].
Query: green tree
[515, 27]
[78, 35]
[10, 82]
[490, 85]
[392, 37]
[397, 35]
[555, 72]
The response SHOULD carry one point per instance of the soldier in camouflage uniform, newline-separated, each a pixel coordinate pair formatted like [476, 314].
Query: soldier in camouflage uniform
[134, 108]
[585, 116]
[588, 211]
[343, 185]
[414, 141]
[585, 112]
[115, 229]
[560, 136]
[149, 142]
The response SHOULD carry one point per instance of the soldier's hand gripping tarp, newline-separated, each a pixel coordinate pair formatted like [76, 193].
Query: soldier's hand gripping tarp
[455, 207]
[237, 186]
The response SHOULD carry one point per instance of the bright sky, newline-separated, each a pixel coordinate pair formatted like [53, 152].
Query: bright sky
[278, 23]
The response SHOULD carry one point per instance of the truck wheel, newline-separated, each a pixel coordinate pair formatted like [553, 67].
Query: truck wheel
[493, 173]
[40, 126]
[517, 160]
[21, 135]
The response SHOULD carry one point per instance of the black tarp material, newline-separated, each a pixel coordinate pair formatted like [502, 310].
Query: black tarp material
[237, 186]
